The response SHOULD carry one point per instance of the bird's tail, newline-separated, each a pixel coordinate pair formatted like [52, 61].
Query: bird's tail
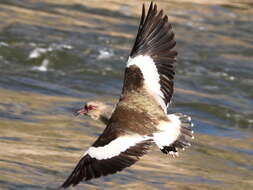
[175, 135]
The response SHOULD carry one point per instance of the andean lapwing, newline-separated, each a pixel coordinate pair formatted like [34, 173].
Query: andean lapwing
[140, 118]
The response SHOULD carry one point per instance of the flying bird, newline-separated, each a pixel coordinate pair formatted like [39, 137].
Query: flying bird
[140, 118]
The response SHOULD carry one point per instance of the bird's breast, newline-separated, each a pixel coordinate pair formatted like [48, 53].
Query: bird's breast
[138, 113]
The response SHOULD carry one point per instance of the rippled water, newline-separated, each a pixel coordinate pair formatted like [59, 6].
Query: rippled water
[54, 55]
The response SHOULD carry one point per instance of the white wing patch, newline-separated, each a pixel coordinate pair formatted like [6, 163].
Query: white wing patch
[151, 77]
[169, 131]
[115, 147]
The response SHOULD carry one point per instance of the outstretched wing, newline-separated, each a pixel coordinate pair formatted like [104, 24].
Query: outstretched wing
[151, 60]
[112, 152]
[150, 66]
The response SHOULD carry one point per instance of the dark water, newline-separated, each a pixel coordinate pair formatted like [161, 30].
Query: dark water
[54, 55]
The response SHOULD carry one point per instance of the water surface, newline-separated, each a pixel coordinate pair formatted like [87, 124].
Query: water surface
[55, 55]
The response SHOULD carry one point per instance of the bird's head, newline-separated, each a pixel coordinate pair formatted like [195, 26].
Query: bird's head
[91, 109]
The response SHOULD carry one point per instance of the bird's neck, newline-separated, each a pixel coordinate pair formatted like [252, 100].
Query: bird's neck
[105, 114]
[104, 119]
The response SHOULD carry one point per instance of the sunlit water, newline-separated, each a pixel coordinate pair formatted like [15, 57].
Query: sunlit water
[55, 55]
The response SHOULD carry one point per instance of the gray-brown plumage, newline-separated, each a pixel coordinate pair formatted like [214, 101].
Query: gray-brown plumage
[140, 118]
[100, 111]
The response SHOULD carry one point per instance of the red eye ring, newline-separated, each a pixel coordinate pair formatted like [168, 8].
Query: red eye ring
[91, 107]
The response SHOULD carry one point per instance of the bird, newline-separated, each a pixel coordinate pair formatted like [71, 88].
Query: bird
[140, 118]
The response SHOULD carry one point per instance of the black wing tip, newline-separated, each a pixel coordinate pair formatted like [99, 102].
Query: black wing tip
[89, 168]
[154, 31]
[74, 179]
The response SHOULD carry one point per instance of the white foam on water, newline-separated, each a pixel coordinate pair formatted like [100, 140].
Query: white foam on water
[105, 54]
[43, 67]
[38, 51]
[4, 44]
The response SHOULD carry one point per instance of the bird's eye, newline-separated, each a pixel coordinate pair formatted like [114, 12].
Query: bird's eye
[91, 107]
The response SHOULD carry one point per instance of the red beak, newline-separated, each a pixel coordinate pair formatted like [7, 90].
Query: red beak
[81, 111]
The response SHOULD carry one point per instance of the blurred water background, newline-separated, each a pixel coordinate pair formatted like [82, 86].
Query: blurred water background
[55, 55]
